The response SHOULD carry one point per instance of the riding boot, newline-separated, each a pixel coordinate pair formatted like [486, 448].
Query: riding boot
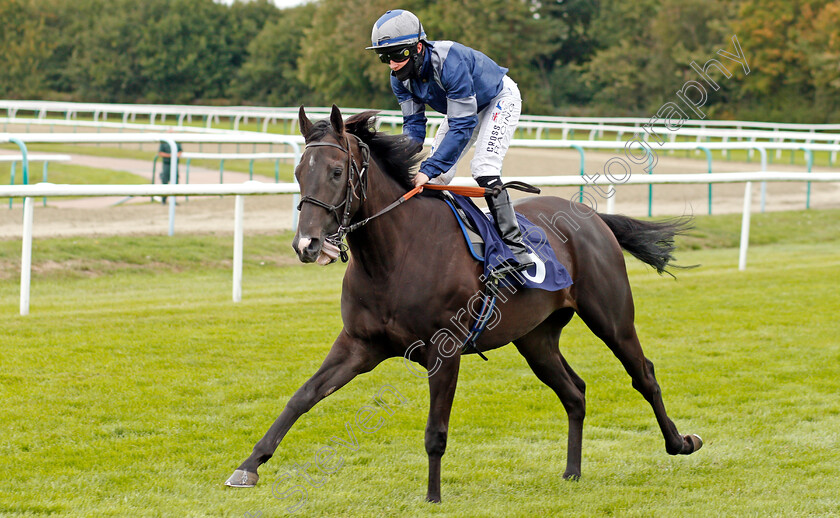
[502, 210]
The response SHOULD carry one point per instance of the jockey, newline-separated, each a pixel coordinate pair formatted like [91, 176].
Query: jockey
[481, 104]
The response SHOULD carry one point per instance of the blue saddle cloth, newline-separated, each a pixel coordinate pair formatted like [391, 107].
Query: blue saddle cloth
[546, 274]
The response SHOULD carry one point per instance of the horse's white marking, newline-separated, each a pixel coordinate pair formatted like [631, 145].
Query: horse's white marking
[539, 275]
[303, 243]
[312, 160]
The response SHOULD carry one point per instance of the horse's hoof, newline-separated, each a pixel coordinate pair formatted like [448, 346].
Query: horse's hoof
[242, 478]
[574, 477]
[695, 441]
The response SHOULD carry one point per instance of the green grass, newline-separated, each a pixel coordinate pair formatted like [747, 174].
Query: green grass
[264, 168]
[82, 257]
[73, 174]
[128, 150]
[135, 387]
[59, 172]
[787, 227]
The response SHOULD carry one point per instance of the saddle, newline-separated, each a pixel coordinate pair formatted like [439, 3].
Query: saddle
[487, 247]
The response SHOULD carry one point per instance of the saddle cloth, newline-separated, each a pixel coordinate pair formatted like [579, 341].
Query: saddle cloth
[486, 246]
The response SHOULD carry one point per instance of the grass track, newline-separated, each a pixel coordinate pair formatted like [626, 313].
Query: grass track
[135, 390]
[90, 175]
[69, 173]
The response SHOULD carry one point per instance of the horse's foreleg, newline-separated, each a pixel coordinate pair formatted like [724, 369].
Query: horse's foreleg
[347, 359]
[441, 392]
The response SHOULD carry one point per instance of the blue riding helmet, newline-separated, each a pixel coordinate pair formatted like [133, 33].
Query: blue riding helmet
[396, 28]
[394, 37]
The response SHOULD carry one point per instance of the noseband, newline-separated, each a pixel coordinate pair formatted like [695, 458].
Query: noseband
[354, 172]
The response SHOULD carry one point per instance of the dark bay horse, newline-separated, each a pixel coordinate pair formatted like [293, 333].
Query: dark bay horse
[410, 276]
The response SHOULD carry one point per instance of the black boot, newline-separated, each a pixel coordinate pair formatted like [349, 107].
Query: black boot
[502, 210]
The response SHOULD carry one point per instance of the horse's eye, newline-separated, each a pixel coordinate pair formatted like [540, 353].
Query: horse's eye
[336, 173]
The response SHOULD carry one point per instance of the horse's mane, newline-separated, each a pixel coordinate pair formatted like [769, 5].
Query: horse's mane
[397, 155]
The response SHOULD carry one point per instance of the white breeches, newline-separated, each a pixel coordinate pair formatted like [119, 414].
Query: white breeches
[491, 136]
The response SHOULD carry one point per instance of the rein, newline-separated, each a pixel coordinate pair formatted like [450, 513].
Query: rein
[344, 226]
[472, 192]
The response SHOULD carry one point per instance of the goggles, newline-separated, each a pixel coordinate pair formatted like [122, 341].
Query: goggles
[396, 55]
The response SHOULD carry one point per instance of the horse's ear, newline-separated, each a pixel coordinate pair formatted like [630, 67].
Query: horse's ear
[336, 120]
[305, 123]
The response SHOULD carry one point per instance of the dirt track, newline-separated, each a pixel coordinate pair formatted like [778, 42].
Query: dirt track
[98, 216]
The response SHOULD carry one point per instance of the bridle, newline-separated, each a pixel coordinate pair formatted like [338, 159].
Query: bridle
[354, 172]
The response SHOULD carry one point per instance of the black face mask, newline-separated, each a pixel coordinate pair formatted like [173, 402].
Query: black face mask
[405, 72]
[412, 68]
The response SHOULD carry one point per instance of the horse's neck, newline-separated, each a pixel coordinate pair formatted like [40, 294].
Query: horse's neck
[380, 245]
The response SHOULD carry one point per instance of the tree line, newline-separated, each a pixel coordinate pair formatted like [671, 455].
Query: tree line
[570, 57]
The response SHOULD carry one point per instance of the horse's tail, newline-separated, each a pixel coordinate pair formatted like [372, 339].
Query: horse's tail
[651, 242]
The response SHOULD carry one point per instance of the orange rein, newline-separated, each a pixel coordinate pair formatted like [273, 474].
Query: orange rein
[472, 192]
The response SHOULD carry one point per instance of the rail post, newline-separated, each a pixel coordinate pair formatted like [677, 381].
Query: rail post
[763, 152]
[582, 169]
[650, 187]
[709, 163]
[296, 196]
[26, 256]
[809, 159]
[239, 211]
[745, 228]
[46, 166]
[12, 180]
[24, 163]
[173, 177]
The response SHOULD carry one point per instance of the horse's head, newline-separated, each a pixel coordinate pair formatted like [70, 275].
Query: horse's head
[331, 174]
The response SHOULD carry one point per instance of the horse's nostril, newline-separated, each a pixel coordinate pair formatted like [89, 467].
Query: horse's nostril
[303, 243]
[308, 246]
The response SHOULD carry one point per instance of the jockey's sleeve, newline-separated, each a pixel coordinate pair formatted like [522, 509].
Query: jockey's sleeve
[413, 111]
[461, 115]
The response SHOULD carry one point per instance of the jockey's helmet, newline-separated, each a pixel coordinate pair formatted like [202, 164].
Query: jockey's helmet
[396, 29]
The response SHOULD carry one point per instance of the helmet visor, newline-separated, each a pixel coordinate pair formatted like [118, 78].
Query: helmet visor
[397, 55]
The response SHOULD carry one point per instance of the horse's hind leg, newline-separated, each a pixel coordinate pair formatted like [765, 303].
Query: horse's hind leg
[541, 351]
[610, 316]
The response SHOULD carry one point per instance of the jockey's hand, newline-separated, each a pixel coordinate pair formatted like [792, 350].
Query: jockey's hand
[420, 179]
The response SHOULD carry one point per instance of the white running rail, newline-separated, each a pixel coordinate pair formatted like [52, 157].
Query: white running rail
[28, 192]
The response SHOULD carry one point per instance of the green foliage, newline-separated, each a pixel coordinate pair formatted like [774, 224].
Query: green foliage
[159, 50]
[334, 62]
[648, 50]
[496, 27]
[25, 48]
[270, 74]
[795, 54]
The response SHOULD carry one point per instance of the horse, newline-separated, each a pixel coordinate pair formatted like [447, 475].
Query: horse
[409, 278]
